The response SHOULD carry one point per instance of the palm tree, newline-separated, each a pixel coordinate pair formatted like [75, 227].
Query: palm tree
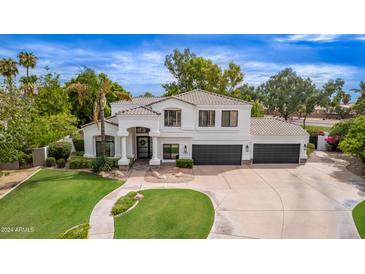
[103, 86]
[8, 69]
[27, 60]
[28, 84]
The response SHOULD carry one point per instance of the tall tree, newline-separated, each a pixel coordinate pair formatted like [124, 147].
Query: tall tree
[193, 72]
[101, 85]
[334, 92]
[284, 92]
[27, 60]
[8, 69]
[359, 106]
[311, 100]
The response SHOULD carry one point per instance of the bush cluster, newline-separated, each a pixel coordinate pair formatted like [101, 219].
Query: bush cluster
[124, 203]
[79, 162]
[50, 161]
[61, 163]
[102, 164]
[184, 163]
[60, 150]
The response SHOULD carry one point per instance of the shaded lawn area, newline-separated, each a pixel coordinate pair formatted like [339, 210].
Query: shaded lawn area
[358, 214]
[167, 214]
[326, 129]
[51, 202]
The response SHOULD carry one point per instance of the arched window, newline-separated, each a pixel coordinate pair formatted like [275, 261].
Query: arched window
[109, 146]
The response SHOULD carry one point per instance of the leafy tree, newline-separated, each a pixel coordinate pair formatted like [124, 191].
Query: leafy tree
[16, 115]
[333, 90]
[8, 69]
[246, 90]
[285, 92]
[359, 106]
[147, 94]
[354, 141]
[27, 60]
[101, 86]
[52, 98]
[257, 109]
[83, 90]
[193, 72]
[47, 129]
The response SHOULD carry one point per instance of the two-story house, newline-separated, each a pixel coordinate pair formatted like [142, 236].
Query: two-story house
[209, 128]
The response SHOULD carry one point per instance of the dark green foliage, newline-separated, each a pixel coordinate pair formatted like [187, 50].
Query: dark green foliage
[26, 160]
[310, 148]
[61, 163]
[50, 161]
[354, 141]
[101, 164]
[79, 162]
[80, 153]
[184, 163]
[77, 232]
[79, 144]
[60, 150]
[124, 203]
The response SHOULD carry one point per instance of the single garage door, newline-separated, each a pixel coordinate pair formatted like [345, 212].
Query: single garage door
[217, 154]
[276, 153]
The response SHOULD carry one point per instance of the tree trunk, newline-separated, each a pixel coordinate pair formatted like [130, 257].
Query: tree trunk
[28, 73]
[304, 118]
[102, 128]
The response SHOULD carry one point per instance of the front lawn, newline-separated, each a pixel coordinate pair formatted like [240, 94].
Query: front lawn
[358, 214]
[315, 128]
[51, 202]
[167, 214]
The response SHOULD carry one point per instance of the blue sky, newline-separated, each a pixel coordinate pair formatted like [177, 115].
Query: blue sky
[137, 61]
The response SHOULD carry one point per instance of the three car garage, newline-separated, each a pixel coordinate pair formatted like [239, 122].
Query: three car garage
[276, 153]
[217, 154]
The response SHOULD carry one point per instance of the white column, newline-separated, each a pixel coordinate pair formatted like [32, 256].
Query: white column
[154, 148]
[123, 161]
[154, 161]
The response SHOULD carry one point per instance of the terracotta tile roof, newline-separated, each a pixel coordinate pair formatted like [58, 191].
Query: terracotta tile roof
[139, 111]
[139, 101]
[275, 127]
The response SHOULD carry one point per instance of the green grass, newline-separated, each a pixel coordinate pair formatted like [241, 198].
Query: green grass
[358, 213]
[167, 214]
[77, 232]
[326, 129]
[51, 202]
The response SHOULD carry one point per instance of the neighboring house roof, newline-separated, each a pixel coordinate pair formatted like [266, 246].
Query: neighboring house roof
[195, 97]
[275, 127]
[139, 111]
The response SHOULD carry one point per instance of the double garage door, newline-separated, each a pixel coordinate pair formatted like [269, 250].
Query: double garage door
[232, 154]
[217, 154]
[276, 153]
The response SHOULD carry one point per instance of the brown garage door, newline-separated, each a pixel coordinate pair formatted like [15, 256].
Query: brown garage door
[217, 154]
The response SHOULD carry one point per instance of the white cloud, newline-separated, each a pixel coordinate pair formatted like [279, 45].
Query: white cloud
[309, 38]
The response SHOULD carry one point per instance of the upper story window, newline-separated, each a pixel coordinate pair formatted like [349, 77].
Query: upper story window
[172, 118]
[229, 118]
[142, 130]
[206, 118]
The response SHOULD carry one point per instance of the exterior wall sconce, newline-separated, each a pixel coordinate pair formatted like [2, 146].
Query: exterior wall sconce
[305, 147]
[185, 149]
[246, 148]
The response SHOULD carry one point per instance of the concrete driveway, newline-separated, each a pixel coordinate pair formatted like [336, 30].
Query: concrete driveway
[314, 200]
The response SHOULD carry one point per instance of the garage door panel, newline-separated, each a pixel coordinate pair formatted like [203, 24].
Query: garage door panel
[217, 154]
[276, 153]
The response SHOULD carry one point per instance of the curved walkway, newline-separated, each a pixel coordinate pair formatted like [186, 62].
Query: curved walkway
[269, 201]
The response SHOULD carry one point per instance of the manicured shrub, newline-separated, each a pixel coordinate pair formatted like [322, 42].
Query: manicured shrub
[26, 160]
[184, 163]
[60, 150]
[50, 161]
[78, 232]
[124, 203]
[101, 164]
[310, 148]
[79, 144]
[79, 162]
[61, 163]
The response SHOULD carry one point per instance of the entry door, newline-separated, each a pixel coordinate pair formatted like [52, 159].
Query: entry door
[144, 147]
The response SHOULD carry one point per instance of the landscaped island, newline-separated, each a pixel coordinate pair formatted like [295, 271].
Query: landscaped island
[51, 203]
[359, 217]
[167, 214]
